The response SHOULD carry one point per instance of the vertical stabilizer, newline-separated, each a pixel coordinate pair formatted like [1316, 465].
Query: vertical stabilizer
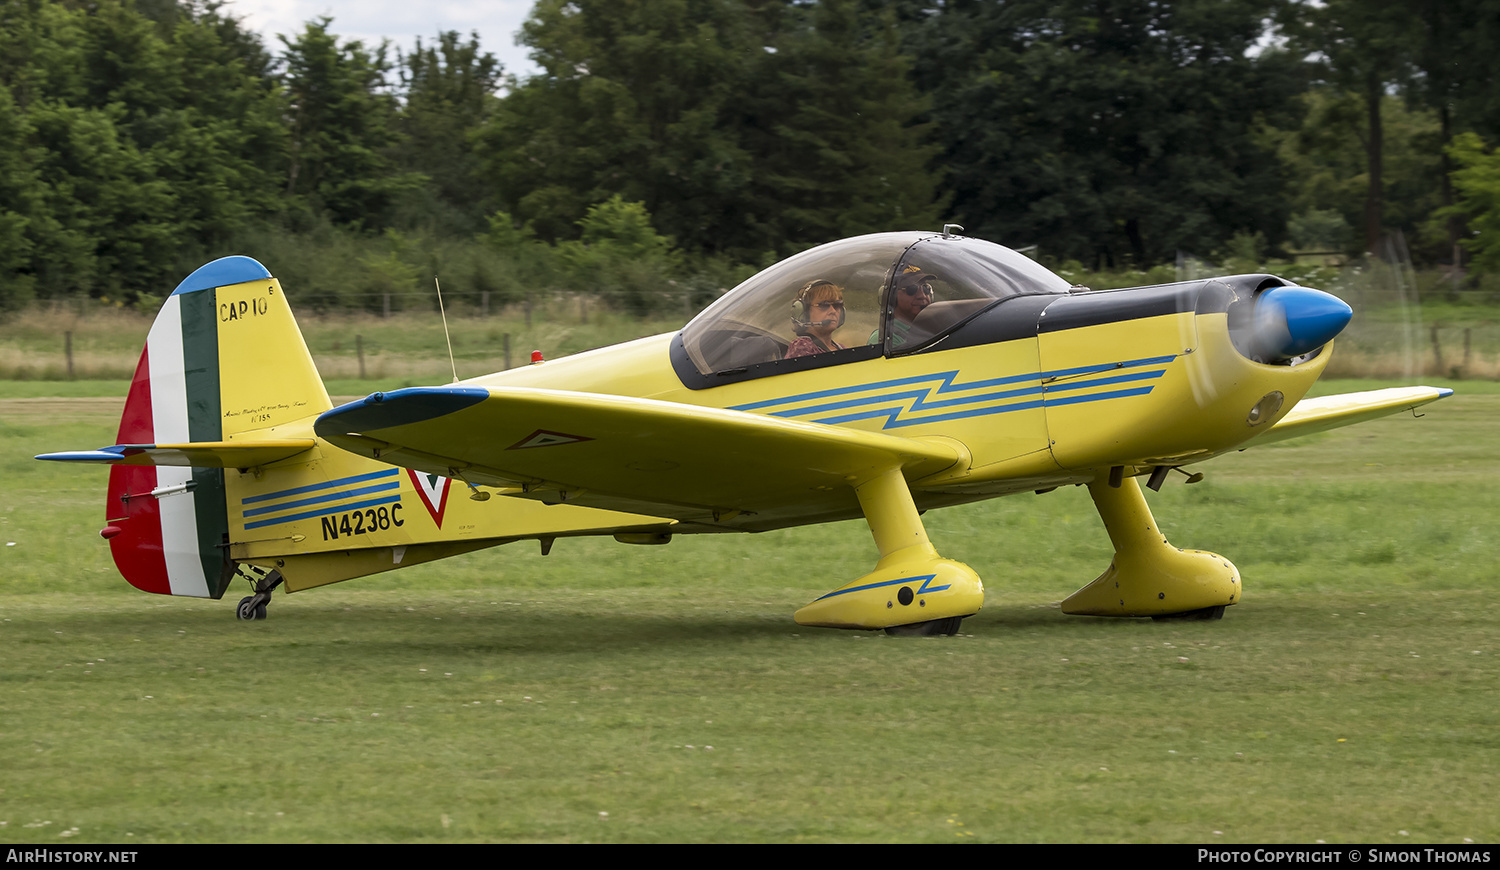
[224, 356]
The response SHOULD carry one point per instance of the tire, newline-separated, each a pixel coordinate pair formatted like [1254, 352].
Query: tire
[931, 628]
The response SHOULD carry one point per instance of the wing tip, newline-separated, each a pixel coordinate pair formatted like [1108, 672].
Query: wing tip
[397, 407]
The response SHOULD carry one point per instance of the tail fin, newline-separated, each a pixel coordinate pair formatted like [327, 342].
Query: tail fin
[224, 356]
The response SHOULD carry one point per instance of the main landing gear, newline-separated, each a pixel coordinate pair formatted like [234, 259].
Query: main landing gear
[1150, 577]
[912, 591]
[254, 606]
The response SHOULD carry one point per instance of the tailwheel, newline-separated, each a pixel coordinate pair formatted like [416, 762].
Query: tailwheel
[254, 606]
[1207, 614]
[250, 608]
[931, 628]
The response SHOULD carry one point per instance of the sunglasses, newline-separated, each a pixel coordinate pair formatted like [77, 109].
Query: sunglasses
[922, 289]
[831, 306]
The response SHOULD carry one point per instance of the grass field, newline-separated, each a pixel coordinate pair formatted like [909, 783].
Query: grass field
[608, 693]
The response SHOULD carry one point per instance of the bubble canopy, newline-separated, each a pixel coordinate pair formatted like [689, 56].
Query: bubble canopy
[859, 298]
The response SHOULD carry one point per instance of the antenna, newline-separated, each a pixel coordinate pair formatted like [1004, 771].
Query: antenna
[447, 337]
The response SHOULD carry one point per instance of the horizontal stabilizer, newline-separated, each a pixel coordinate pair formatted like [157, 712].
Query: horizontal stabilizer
[202, 454]
[662, 458]
[1346, 409]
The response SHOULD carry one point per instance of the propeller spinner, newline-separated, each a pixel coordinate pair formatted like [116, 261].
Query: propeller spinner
[1290, 321]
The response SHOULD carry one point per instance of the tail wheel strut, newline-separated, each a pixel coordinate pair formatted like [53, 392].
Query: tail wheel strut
[254, 606]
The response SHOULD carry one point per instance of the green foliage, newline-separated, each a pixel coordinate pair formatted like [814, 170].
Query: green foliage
[623, 229]
[1477, 181]
[116, 218]
[831, 127]
[622, 258]
[132, 145]
[741, 127]
[342, 125]
[449, 91]
[505, 235]
[1463, 38]
[635, 99]
[1319, 230]
[21, 197]
[1328, 167]
[1244, 252]
[392, 273]
[141, 138]
[1113, 132]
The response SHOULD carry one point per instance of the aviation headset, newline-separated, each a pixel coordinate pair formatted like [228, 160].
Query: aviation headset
[802, 309]
[922, 280]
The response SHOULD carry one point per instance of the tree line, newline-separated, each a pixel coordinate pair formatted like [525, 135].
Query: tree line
[697, 139]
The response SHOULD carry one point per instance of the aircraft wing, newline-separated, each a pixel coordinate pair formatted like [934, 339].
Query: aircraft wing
[1346, 409]
[660, 458]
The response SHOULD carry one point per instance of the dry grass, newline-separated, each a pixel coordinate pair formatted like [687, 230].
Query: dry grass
[1358, 363]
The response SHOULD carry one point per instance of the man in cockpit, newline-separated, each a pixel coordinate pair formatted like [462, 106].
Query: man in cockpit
[912, 294]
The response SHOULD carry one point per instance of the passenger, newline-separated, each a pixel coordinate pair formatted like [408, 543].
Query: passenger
[913, 293]
[818, 311]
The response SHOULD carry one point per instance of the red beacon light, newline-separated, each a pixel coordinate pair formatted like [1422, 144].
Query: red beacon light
[536, 358]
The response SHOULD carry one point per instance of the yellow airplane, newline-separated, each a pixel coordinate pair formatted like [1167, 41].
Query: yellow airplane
[880, 376]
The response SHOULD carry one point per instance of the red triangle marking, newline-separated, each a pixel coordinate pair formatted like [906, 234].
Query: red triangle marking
[432, 489]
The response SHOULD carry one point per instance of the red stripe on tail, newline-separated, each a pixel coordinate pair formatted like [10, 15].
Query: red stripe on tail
[137, 549]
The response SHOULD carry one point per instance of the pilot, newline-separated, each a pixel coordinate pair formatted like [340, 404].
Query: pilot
[913, 293]
[818, 311]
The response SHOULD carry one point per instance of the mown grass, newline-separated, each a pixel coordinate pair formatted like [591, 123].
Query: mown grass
[608, 693]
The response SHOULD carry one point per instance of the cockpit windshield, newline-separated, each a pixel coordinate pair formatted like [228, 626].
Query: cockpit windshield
[890, 293]
[942, 281]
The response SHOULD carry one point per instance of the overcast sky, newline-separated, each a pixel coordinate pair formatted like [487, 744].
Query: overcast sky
[400, 21]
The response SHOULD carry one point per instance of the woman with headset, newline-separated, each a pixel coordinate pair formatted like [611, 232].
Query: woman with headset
[818, 311]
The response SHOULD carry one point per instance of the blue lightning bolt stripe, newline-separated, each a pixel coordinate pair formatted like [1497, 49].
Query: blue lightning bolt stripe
[328, 497]
[947, 385]
[1094, 397]
[323, 499]
[331, 484]
[1039, 390]
[325, 511]
[925, 578]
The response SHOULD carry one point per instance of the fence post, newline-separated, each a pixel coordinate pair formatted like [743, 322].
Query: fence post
[505, 343]
[484, 303]
[68, 351]
[386, 299]
[359, 348]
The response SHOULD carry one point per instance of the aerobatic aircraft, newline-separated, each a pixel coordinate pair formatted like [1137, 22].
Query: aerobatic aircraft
[878, 377]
